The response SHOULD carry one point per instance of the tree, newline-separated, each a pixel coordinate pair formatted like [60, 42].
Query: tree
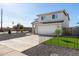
[19, 27]
[57, 31]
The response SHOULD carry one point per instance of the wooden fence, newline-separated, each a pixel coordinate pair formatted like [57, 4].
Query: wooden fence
[74, 31]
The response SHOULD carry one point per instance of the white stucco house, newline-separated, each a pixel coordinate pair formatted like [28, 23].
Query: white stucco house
[47, 23]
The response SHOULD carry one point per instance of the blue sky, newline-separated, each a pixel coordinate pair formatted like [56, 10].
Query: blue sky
[25, 13]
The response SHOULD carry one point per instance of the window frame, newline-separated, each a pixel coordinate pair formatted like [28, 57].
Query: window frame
[54, 16]
[42, 17]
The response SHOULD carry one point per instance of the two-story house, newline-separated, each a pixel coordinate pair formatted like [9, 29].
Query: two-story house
[47, 23]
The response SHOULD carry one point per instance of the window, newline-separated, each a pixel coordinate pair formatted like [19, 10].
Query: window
[55, 16]
[42, 17]
[46, 17]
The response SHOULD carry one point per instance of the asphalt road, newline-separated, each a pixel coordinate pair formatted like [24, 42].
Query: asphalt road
[6, 36]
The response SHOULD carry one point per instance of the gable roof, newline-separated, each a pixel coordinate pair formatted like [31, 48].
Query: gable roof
[53, 12]
[65, 13]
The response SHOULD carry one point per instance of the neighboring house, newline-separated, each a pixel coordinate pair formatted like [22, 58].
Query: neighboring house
[47, 23]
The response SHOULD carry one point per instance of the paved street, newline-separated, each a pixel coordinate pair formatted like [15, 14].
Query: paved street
[18, 44]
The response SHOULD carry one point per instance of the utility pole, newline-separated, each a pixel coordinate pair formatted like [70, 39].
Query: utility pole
[1, 19]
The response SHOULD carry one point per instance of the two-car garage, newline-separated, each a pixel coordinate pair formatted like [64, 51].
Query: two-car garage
[46, 29]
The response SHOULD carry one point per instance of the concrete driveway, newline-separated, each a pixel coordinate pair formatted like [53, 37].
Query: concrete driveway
[24, 43]
[7, 51]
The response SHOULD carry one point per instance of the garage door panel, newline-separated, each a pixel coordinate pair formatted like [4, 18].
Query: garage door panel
[46, 29]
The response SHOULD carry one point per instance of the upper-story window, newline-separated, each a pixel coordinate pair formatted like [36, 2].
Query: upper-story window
[43, 17]
[54, 16]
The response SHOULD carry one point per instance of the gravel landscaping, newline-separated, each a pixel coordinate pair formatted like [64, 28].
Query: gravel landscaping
[51, 50]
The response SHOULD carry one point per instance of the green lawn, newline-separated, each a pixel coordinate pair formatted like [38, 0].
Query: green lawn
[68, 42]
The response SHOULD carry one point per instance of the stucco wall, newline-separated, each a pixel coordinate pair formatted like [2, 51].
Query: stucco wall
[61, 16]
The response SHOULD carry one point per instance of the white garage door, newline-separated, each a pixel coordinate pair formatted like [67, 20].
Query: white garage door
[46, 29]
